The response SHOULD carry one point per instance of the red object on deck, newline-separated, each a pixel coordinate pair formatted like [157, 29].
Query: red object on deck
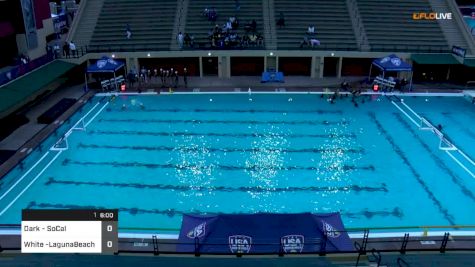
[375, 87]
[122, 87]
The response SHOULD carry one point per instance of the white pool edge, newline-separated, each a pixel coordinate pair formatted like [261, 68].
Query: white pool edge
[356, 235]
[468, 93]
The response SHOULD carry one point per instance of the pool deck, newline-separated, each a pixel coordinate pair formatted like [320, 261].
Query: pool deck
[415, 243]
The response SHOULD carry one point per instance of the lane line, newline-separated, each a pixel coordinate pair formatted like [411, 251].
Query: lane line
[460, 164]
[95, 115]
[24, 175]
[28, 186]
[405, 113]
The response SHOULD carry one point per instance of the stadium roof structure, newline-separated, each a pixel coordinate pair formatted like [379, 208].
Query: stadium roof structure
[435, 59]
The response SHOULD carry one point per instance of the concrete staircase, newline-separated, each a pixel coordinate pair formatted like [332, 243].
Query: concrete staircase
[358, 27]
[82, 31]
[180, 22]
[454, 30]
[270, 34]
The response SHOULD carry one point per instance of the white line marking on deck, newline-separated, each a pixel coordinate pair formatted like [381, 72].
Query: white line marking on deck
[24, 175]
[95, 115]
[28, 186]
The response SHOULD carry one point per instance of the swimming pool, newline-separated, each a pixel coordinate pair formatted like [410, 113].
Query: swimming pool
[471, 23]
[155, 157]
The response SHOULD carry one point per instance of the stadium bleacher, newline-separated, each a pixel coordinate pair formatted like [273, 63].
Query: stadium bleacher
[330, 17]
[151, 23]
[389, 26]
[198, 25]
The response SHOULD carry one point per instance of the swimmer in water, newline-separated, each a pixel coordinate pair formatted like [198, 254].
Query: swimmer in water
[124, 107]
[142, 106]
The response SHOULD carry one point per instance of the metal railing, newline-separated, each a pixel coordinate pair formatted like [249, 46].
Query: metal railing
[22, 69]
[400, 242]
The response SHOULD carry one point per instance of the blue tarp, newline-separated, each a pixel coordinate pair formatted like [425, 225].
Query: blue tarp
[263, 233]
[105, 64]
[392, 63]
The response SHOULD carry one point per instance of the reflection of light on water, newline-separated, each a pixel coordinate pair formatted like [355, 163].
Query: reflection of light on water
[331, 167]
[194, 164]
[264, 163]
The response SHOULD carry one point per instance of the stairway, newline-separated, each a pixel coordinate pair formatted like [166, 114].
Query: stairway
[87, 20]
[270, 34]
[358, 27]
[454, 34]
[180, 22]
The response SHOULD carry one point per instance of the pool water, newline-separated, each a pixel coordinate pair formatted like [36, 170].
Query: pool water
[471, 23]
[156, 157]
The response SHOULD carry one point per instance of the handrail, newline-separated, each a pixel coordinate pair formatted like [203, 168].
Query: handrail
[469, 39]
[348, 229]
[77, 17]
[469, 82]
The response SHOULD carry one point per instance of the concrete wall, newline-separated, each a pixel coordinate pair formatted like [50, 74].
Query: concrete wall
[224, 58]
[47, 29]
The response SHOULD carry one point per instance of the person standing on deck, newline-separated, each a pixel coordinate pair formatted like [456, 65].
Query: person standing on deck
[185, 77]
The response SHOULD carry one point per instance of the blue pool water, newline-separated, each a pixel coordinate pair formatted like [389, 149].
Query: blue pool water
[470, 22]
[157, 157]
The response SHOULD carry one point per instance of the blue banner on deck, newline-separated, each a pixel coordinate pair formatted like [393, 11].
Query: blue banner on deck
[459, 51]
[105, 64]
[263, 233]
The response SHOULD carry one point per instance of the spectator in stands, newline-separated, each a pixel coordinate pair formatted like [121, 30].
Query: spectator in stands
[251, 26]
[212, 14]
[72, 47]
[253, 39]
[66, 49]
[128, 31]
[180, 39]
[205, 12]
[304, 41]
[228, 26]
[238, 6]
[192, 41]
[260, 40]
[281, 20]
[311, 29]
[187, 40]
[314, 42]
[234, 23]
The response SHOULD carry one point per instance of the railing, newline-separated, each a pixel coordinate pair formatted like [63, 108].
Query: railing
[76, 19]
[409, 48]
[23, 69]
[469, 83]
[399, 242]
[457, 15]
[82, 51]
